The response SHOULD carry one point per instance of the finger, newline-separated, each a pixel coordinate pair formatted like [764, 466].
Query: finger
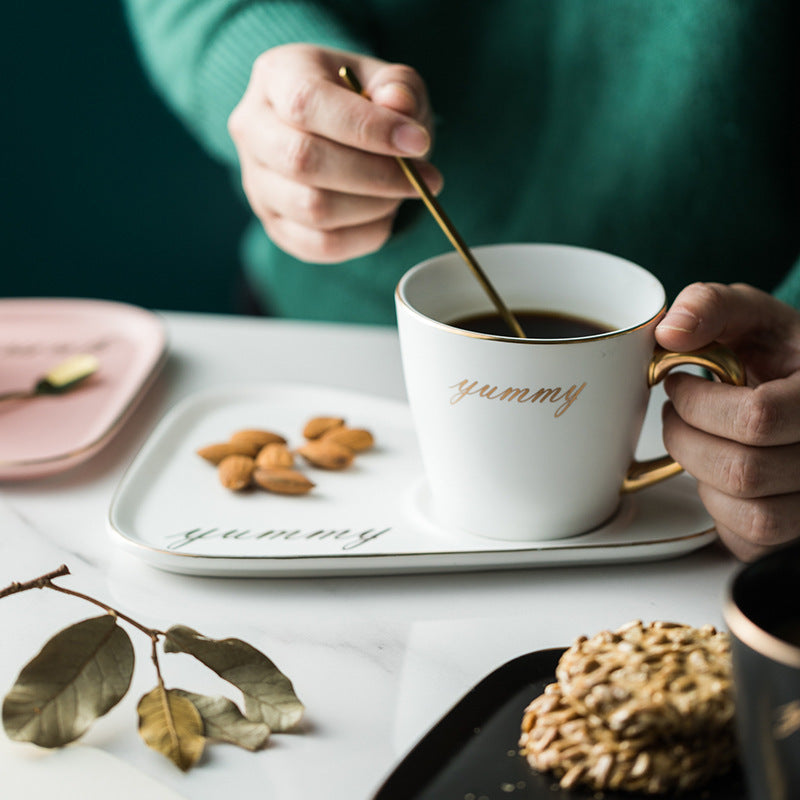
[743, 549]
[766, 415]
[752, 526]
[396, 96]
[321, 104]
[327, 247]
[737, 470]
[315, 161]
[707, 312]
[400, 88]
[321, 209]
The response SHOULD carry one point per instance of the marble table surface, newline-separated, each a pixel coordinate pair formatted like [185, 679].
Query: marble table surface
[377, 660]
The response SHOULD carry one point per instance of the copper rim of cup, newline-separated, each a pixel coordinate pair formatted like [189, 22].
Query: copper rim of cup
[757, 639]
[402, 299]
[450, 328]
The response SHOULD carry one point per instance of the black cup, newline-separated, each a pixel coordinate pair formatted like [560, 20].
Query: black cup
[762, 612]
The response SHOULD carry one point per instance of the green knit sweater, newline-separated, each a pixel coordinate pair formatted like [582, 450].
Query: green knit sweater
[663, 131]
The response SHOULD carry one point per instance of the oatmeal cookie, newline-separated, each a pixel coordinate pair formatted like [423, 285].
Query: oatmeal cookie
[659, 680]
[581, 751]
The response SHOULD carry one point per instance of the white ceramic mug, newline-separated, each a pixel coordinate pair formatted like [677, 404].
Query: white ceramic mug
[533, 439]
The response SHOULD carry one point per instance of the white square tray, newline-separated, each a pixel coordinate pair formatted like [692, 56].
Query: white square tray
[171, 511]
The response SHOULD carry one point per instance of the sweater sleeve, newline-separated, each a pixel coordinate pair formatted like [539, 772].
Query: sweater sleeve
[789, 289]
[199, 53]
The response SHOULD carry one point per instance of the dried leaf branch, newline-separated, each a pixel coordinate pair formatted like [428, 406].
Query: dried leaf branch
[36, 583]
[83, 671]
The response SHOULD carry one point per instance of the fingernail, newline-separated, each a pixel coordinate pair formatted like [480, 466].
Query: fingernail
[411, 139]
[681, 320]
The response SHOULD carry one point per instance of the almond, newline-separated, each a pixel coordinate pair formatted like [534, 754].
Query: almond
[327, 455]
[216, 452]
[236, 472]
[357, 439]
[275, 456]
[282, 481]
[317, 426]
[255, 438]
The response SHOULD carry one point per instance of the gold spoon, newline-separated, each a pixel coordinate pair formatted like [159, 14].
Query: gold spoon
[347, 75]
[59, 379]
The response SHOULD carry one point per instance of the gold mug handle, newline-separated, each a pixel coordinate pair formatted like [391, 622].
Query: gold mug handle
[717, 359]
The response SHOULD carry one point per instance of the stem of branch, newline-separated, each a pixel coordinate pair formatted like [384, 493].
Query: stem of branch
[147, 631]
[37, 583]
[46, 582]
[154, 658]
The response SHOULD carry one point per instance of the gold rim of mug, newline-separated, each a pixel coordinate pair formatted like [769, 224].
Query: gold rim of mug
[756, 638]
[495, 338]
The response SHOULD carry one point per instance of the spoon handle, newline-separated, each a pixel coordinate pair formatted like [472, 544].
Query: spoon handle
[18, 395]
[347, 75]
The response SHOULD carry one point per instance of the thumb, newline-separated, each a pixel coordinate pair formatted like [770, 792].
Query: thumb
[706, 312]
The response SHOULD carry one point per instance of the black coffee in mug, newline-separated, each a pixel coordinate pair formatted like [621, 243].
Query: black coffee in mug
[535, 324]
[788, 631]
[763, 615]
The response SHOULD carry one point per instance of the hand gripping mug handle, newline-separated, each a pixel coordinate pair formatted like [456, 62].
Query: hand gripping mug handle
[716, 358]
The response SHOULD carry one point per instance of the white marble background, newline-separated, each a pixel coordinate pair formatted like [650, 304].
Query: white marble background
[376, 660]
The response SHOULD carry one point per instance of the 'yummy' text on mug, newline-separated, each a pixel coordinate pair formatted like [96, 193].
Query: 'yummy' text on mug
[467, 388]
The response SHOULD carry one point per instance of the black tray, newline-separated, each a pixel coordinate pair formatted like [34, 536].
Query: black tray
[472, 753]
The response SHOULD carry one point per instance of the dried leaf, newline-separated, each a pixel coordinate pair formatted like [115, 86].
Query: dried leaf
[224, 722]
[268, 694]
[170, 724]
[80, 674]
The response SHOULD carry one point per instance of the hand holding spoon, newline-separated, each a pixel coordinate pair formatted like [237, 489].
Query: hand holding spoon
[59, 379]
[347, 75]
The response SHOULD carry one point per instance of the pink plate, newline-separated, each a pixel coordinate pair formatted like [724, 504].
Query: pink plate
[47, 434]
